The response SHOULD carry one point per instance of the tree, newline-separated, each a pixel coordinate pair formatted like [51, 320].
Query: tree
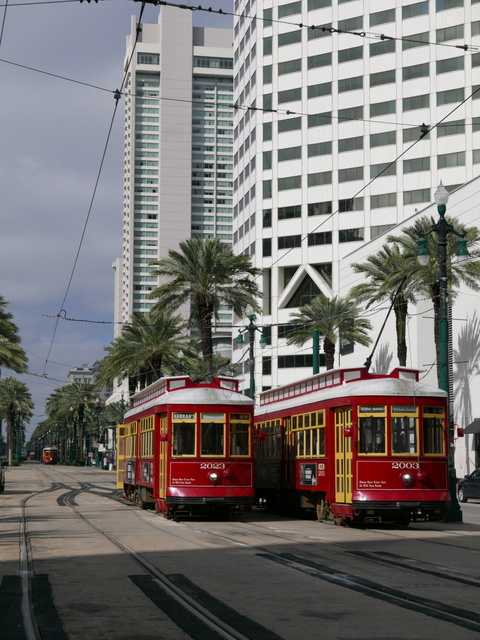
[379, 270]
[16, 406]
[206, 274]
[72, 401]
[425, 281]
[138, 353]
[333, 318]
[12, 355]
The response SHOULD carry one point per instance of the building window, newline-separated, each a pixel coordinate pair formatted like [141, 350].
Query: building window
[383, 200]
[318, 90]
[347, 55]
[379, 48]
[324, 237]
[381, 139]
[350, 204]
[287, 213]
[320, 208]
[291, 66]
[350, 144]
[414, 10]
[318, 4]
[289, 38]
[291, 153]
[290, 95]
[416, 102]
[267, 247]
[267, 218]
[351, 24]
[319, 119]
[351, 173]
[449, 96]
[381, 17]
[267, 189]
[316, 179]
[289, 9]
[442, 5]
[291, 182]
[451, 160]
[450, 64]
[416, 71]
[350, 84]
[350, 235]
[416, 40]
[267, 46]
[382, 108]
[378, 230]
[476, 156]
[450, 33]
[289, 124]
[416, 196]
[451, 128]
[383, 77]
[267, 131]
[267, 74]
[289, 242]
[320, 60]
[383, 169]
[416, 164]
[148, 58]
[351, 113]
[319, 149]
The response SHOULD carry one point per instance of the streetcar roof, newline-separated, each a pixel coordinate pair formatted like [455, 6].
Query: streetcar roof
[376, 386]
[200, 394]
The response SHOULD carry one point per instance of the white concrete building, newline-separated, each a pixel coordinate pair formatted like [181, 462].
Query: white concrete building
[329, 151]
[178, 149]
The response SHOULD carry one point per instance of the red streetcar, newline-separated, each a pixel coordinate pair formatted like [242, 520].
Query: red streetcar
[186, 447]
[355, 447]
[50, 455]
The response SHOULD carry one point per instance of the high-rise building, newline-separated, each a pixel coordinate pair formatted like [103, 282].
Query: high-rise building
[178, 149]
[350, 112]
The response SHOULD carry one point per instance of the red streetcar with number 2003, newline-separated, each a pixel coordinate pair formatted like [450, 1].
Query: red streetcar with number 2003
[355, 447]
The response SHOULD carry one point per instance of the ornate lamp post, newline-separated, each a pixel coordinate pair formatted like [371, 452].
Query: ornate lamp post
[442, 228]
[96, 411]
[251, 328]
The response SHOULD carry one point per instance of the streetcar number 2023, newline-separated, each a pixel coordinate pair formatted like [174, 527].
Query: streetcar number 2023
[405, 465]
[212, 465]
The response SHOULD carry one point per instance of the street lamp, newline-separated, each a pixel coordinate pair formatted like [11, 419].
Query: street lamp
[442, 228]
[251, 328]
[180, 355]
[96, 411]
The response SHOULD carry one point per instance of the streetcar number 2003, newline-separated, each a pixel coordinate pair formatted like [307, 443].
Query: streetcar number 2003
[212, 465]
[405, 465]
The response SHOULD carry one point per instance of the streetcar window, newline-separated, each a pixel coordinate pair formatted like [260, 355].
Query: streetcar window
[432, 431]
[372, 435]
[404, 434]
[239, 438]
[183, 438]
[212, 438]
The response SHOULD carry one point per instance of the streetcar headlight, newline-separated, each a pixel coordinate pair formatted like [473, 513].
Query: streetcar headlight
[213, 477]
[407, 479]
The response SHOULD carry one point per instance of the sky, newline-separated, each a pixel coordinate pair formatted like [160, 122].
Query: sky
[52, 140]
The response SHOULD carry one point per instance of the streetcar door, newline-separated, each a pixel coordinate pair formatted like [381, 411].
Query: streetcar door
[162, 475]
[121, 432]
[343, 456]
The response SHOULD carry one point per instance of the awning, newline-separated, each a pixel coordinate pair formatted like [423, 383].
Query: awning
[473, 427]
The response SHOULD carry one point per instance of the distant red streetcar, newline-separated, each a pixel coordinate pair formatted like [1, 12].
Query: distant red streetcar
[50, 455]
[186, 447]
[355, 447]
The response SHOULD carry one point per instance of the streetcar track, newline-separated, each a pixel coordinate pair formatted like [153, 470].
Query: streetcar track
[197, 620]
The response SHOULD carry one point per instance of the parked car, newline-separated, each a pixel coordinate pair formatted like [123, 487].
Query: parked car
[469, 487]
[2, 477]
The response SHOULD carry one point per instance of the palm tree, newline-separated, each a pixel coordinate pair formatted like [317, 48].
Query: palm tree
[16, 406]
[138, 353]
[425, 281]
[12, 355]
[379, 269]
[72, 401]
[333, 318]
[206, 274]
